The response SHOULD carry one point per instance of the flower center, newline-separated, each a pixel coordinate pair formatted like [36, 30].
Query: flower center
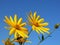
[17, 27]
[36, 24]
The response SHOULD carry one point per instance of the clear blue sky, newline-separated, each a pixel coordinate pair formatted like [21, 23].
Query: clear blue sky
[47, 9]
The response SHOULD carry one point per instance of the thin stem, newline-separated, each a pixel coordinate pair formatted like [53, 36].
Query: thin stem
[45, 38]
[9, 36]
[19, 43]
[30, 32]
[13, 40]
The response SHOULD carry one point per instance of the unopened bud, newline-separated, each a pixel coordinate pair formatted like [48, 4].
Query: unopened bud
[56, 26]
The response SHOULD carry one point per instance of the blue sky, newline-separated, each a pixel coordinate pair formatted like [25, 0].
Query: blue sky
[47, 9]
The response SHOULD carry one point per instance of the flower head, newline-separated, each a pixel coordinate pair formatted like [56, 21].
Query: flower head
[16, 26]
[7, 42]
[57, 26]
[37, 23]
[21, 40]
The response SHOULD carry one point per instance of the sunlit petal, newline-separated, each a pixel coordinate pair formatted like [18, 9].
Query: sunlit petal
[43, 24]
[15, 18]
[37, 18]
[41, 20]
[23, 24]
[20, 21]
[22, 34]
[11, 19]
[12, 31]
[34, 15]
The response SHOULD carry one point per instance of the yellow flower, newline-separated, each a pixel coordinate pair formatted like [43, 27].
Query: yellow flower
[21, 40]
[37, 23]
[16, 26]
[7, 42]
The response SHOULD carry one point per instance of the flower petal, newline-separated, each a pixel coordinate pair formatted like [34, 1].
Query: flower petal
[41, 20]
[34, 15]
[12, 31]
[23, 24]
[22, 34]
[19, 21]
[30, 15]
[30, 20]
[40, 30]
[43, 24]
[15, 35]
[11, 19]
[37, 31]
[15, 18]
[37, 18]
[44, 29]
[8, 21]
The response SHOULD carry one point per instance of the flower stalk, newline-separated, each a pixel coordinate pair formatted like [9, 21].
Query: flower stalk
[45, 37]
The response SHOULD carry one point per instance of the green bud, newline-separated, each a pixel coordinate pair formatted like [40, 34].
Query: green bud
[56, 26]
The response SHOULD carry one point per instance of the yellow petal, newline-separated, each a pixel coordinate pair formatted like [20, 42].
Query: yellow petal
[30, 15]
[15, 35]
[28, 41]
[19, 21]
[23, 24]
[12, 31]
[37, 31]
[41, 20]
[11, 20]
[45, 29]
[40, 30]
[43, 24]
[22, 34]
[7, 18]
[24, 30]
[33, 27]
[29, 19]
[8, 28]
[37, 18]
[34, 15]
[8, 22]
[15, 18]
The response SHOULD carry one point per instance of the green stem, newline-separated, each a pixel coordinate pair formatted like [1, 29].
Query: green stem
[45, 38]
[13, 40]
[21, 43]
[30, 32]
[9, 36]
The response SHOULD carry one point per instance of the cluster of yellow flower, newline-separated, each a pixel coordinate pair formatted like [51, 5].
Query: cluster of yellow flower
[17, 28]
